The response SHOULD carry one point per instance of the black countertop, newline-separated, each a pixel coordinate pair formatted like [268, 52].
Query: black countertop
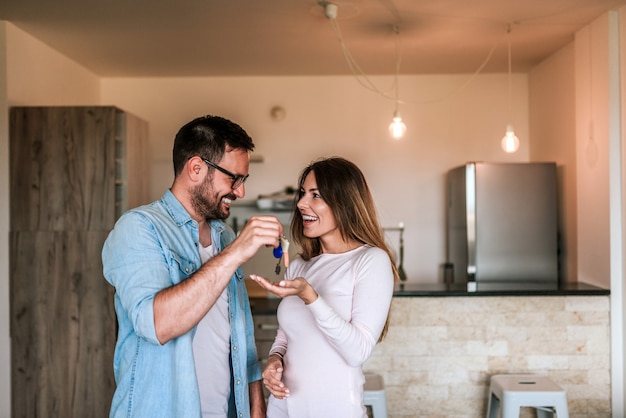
[267, 306]
[500, 289]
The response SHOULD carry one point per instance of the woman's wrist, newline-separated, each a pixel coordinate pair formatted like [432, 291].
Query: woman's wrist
[309, 295]
[277, 354]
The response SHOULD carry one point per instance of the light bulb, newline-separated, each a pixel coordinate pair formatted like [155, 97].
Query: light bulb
[510, 143]
[397, 128]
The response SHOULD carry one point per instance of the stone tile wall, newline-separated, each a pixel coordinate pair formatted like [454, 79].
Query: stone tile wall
[440, 352]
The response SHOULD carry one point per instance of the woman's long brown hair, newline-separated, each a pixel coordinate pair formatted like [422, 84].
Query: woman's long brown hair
[343, 187]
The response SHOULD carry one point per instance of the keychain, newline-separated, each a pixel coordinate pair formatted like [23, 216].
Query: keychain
[282, 252]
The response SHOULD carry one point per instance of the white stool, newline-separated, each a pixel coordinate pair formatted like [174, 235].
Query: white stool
[512, 392]
[374, 396]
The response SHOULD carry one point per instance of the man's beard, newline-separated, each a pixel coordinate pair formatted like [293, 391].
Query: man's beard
[208, 209]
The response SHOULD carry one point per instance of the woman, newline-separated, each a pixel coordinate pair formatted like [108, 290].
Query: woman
[336, 297]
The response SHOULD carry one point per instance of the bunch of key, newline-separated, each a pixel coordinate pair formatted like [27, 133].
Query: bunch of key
[282, 253]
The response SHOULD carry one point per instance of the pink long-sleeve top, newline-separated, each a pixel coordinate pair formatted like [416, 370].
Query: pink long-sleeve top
[325, 343]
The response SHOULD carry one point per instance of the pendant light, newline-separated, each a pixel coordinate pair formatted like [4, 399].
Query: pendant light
[510, 142]
[397, 128]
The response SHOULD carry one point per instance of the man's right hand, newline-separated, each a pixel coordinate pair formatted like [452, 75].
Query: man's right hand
[259, 231]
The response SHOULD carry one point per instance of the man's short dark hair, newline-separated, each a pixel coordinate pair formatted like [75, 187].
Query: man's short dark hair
[208, 137]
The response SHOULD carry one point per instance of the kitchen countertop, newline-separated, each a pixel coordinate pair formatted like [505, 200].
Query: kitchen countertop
[268, 305]
[500, 289]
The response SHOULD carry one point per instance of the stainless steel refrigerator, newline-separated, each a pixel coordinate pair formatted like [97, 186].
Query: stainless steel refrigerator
[502, 222]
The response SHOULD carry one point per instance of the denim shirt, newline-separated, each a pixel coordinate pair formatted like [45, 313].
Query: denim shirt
[151, 248]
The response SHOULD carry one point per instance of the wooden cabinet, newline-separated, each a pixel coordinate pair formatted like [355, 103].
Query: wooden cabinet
[265, 327]
[73, 171]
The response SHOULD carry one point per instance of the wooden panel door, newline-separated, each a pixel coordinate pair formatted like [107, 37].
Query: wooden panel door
[70, 180]
[63, 327]
[62, 168]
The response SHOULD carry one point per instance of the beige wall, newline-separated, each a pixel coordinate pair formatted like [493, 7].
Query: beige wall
[31, 74]
[336, 116]
[38, 75]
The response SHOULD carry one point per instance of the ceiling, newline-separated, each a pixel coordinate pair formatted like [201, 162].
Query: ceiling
[163, 38]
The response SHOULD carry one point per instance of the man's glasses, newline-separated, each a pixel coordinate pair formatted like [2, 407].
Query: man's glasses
[237, 179]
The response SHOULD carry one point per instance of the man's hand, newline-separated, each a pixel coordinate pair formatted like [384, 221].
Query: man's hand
[272, 377]
[259, 231]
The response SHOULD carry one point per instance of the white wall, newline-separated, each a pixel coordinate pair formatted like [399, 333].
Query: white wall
[590, 181]
[617, 180]
[592, 153]
[618, 291]
[552, 114]
[601, 211]
[336, 116]
[31, 74]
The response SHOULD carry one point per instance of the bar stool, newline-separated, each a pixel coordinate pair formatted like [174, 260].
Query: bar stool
[511, 392]
[374, 396]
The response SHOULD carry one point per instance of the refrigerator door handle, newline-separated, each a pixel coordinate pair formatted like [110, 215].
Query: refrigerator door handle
[470, 207]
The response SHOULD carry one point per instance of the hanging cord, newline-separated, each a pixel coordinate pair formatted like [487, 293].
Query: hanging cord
[396, 83]
[356, 70]
[364, 80]
[590, 71]
[508, 34]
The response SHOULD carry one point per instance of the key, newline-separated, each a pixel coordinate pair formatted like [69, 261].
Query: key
[277, 269]
[281, 252]
[278, 253]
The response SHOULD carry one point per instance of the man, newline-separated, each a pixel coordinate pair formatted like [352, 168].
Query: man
[185, 346]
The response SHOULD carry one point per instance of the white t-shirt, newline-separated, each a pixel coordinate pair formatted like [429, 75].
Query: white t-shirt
[211, 353]
[326, 342]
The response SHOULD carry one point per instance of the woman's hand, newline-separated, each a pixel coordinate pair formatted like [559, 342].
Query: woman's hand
[296, 287]
[272, 377]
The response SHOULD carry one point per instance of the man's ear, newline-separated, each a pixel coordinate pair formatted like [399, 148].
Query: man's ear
[195, 169]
